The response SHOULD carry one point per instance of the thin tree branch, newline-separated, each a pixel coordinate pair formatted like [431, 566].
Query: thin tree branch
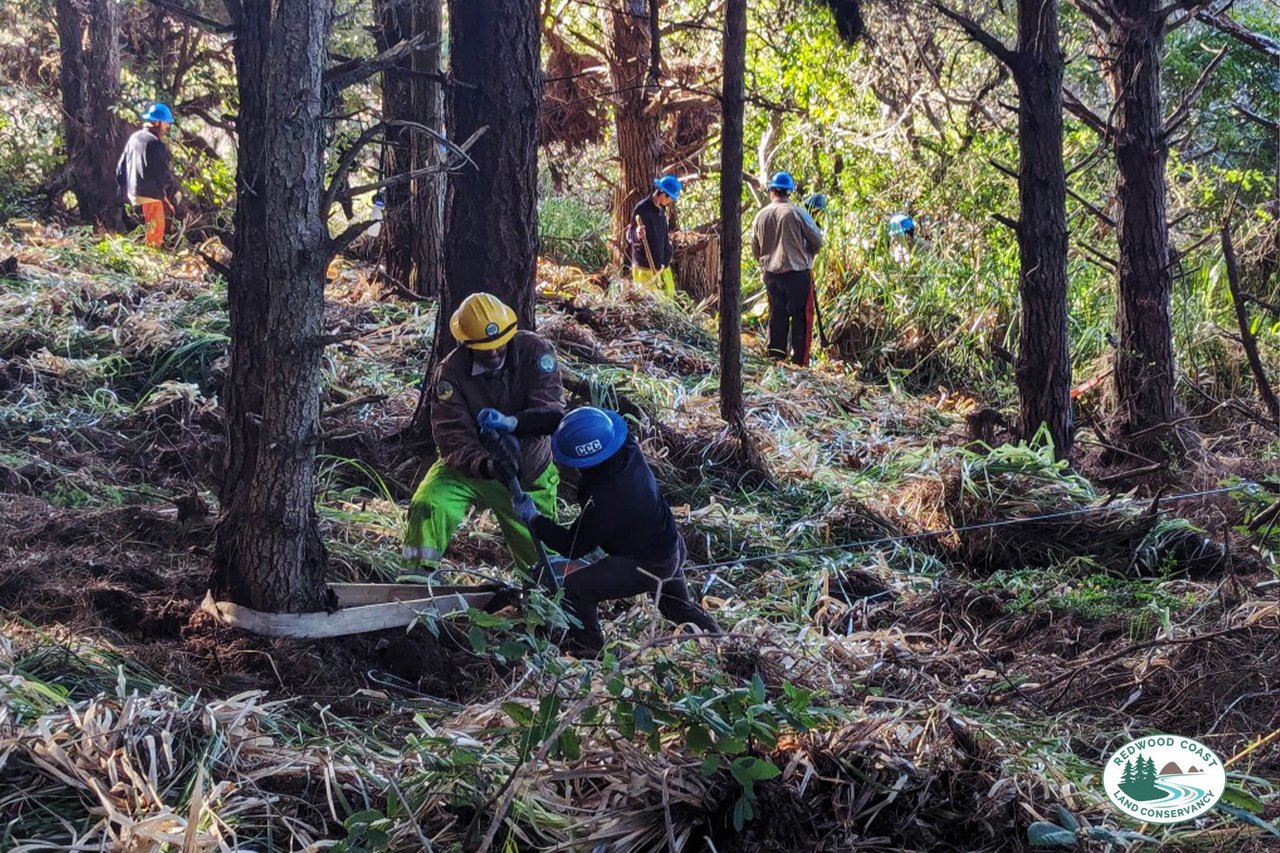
[977, 33]
[1190, 8]
[183, 13]
[345, 162]
[1273, 307]
[1247, 339]
[1080, 110]
[338, 245]
[1106, 260]
[1011, 224]
[1260, 120]
[1183, 112]
[1224, 23]
[353, 71]
[1095, 13]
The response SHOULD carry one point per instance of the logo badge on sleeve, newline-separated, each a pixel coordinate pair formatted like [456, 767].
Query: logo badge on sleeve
[444, 391]
[547, 362]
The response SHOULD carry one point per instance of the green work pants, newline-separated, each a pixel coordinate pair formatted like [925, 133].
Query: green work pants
[442, 500]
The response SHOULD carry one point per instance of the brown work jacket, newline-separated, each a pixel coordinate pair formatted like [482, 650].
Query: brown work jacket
[528, 379]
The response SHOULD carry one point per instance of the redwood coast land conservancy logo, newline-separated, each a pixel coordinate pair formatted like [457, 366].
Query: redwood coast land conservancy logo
[1164, 779]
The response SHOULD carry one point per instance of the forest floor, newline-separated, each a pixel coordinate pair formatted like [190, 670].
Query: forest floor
[916, 677]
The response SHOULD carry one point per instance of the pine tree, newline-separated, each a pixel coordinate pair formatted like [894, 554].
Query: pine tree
[1149, 771]
[1127, 777]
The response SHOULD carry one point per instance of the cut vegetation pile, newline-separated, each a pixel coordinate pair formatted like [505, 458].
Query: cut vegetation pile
[904, 670]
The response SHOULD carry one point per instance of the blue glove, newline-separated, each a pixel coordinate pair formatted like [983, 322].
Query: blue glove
[495, 420]
[524, 509]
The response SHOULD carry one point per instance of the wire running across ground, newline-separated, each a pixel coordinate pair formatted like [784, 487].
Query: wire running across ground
[1245, 486]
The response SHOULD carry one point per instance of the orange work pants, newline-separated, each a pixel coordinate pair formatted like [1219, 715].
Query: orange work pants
[153, 216]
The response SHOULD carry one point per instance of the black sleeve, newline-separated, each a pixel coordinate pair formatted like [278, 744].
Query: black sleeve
[539, 421]
[568, 541]
[164, 166]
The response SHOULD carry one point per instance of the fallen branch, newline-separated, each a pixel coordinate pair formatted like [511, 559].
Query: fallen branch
[1138, 647]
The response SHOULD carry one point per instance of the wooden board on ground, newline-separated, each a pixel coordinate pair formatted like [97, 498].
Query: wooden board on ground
[368, 607]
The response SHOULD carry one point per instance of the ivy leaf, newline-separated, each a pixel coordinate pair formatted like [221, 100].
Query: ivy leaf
[517, 712]
[757, 689]
[1045, 834]
[698, 739]
[1242, 800]
[1067, 819]
[710, 764]
[570, 744]
[479, 640]
[1250, 818]
[643, 719]
[742, 812]
[749, 769]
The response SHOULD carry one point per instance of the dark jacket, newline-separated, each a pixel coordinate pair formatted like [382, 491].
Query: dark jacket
[528, 379]
[144, 170]
[656, 235]
[623, 512]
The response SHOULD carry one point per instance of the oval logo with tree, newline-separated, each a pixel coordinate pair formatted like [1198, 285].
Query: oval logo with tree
[1164, 778]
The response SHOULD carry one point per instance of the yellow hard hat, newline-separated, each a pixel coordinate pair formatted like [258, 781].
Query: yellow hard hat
[483, 321]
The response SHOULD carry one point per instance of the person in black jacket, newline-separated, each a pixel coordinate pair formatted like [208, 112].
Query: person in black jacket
[649, 236]
[144, 174]
[624, 515]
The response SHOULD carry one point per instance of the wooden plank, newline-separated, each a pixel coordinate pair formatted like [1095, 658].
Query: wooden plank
[342, 622]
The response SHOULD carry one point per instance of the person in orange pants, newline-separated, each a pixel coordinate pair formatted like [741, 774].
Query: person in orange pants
[145, 175]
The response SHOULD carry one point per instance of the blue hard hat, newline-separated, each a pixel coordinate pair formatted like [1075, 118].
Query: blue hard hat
[158, 112]
[816, 202]
[670, 185]
[900, 223]
[588, 436]
[782, 181]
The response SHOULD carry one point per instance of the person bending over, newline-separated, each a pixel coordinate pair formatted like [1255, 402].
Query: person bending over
[625, 515]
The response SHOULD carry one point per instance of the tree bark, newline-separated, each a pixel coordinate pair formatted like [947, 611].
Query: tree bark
[732, 100]
[491, 218]
[268, 553]
[89, 37]
[393, 23]
[1043, 365]
[1144, 364]
[429, 191]
[635, 115]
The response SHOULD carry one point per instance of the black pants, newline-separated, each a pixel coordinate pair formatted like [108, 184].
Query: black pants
[790, 314]
[624, 577]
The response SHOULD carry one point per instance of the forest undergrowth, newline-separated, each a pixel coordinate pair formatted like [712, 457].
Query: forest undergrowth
[904, 670]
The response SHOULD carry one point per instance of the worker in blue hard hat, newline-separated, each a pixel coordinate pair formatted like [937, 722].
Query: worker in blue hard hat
[903, 237]
[625, 515]
[649, 239]
[144, 174]
[816, 204]
[784, 239]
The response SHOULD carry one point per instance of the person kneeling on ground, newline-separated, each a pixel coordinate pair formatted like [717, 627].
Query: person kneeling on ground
[494, 366]
[625, 515]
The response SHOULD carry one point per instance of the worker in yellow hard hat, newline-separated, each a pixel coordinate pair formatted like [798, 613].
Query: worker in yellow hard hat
[494, 367]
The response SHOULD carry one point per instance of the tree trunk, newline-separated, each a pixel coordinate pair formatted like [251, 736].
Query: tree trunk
[630, 55]
[491, 219]
[732, 101]
[1144, 366]
[393, 23]
[428, 191]
[1043, 366]
[89, 36]
[268, 554]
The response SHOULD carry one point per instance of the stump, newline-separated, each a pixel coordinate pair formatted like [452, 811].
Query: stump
[696, 263]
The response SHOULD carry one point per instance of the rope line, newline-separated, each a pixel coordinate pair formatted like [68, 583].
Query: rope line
[1249, 487]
